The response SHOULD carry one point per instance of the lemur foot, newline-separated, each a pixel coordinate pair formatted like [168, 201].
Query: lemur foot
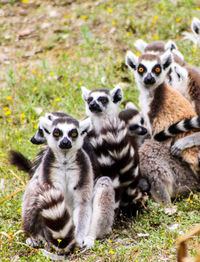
[176, 149]
[80, 240]
[32, 242]
[35, 242]
[89, 242]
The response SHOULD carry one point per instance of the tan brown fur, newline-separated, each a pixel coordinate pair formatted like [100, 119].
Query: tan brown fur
[178, 60]
[174, 108]
[156, 46]
[149, 57]
[182, 247]
[194, 87]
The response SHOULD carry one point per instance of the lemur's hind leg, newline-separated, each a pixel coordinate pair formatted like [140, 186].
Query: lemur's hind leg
[156, 170]
[103, 210]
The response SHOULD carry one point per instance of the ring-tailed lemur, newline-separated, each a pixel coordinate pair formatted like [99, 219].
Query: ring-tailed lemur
[24, 164]
[39, 137]
[102, 215]
[195, 36]
[173, 76]
[161, 104]
[158, 47]
[57, 201]
[115, 155]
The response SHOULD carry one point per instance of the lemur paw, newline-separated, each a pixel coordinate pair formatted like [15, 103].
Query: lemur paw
[80, 241]
[176, 149]
[89, 242]
[32, 242]
[35, 242]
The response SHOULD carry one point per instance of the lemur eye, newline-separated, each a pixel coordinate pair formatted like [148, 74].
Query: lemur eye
[57, 133]
[141, 69]
[103, 100]
[157, 69]
[89, 99]
[73, 133]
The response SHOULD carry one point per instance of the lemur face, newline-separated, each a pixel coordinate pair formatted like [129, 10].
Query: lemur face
[134, 120]
[39, 138]
[102, 101]
[62, 133]
[150, 70]
[179, 77]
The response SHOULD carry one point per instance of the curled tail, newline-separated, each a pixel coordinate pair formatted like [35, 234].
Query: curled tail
[56, 219]
[177, 128]
[20, 161]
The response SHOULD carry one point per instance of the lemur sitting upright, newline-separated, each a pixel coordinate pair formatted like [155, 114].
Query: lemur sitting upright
[115, 155]
[57, 200]
[161, 106]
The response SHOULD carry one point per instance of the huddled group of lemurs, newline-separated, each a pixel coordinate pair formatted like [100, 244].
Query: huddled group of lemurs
[112, 160]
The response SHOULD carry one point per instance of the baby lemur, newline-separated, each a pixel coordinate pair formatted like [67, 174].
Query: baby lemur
[161, 104]
[57, 200]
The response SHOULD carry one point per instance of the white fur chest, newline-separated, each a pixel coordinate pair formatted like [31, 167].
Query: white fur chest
[97, 122]
[65, 176]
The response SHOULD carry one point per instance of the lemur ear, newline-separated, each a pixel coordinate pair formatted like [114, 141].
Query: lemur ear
[49, 116]
[140, 45]
[131, 60]
[85, 125]
[85, 92]
[130, 105]
[170, 45]
[46, 125]
[195, 26]
[116, 94]
[166, 59]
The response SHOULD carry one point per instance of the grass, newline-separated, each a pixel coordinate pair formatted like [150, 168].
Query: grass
[48, 49]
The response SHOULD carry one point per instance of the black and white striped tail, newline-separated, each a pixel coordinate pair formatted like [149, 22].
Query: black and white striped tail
[116, 155]
[177, 128]
[56, 219]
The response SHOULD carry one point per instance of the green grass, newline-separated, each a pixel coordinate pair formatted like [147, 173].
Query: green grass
[69, 45]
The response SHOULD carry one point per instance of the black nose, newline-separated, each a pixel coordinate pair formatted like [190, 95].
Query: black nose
[94, 107]
[142, 131]
[38, 141]
[137, 130]
[149, 79]
[65, 144]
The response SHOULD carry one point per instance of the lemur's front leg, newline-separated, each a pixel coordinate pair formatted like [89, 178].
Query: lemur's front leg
[82, 217]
